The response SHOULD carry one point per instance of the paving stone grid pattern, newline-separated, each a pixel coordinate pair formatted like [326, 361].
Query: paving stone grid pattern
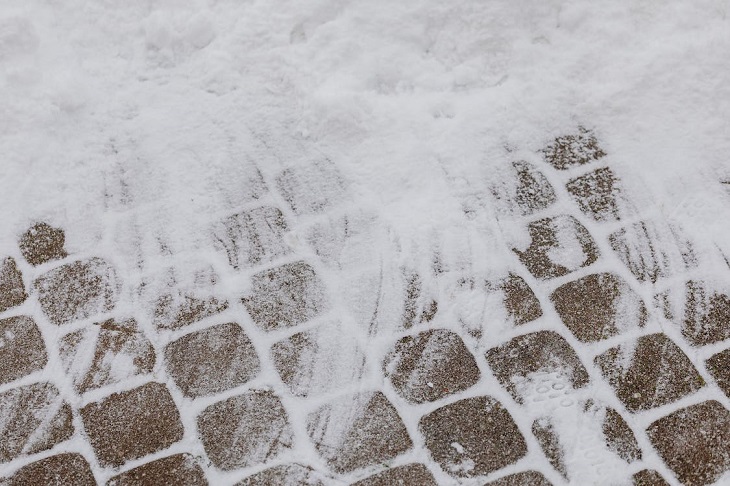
[638, 322]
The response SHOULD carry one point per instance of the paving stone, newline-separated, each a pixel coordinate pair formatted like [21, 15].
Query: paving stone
[519, 300]
[22, 350]
[285, 475]
[598, 194]
[285, 296]
[42, 243]
[312, 188]
[78, 290]
[177, 469]
[357, 431]
[245, 430]
[599, 306]
[213, 360]
[549, 442]
[430, 365]
[719, 367]
[527, 478]
[542, 351]
[472, 437]
[347, 241]
[619, 437]
[34, 418]
[12, 288]
[529, 193]
[573, 150]
[106, 353]
[132, 424]
[176, 312]
[701, 309]
[59, 470]
[649, 372]
[417, 308]
[648, 477]
[253, 237]
[558, 246]
[694, 442]
[323, 359]
[410, 474]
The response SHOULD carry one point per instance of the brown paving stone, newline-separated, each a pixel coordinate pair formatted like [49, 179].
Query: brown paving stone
[619, 437]
[573, 150]
[597, 194]
[253, 237]
[21, 348]
[542, 351]
[702, 310]
[42, 243]
[694, 442]
[175, 312]
[519, 300]
[533, 192]
[719, 367]
[558, 246]
[549, 441]
[12, 288]
[132, 424]
[285, 296]
[408, 475]
[245, 430]
[106, 353]
[357, 431]
[285, 475]
[527, 478]
[312, 188]
[60, 470]
[34, 418]
[648, 477]
[212, 360]
[177, 469]
[430, 366]
[472, 437]
[78, 290]
[649, 372]
[598, 306]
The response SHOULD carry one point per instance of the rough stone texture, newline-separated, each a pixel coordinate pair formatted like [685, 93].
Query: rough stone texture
[253, 237]
[573, 150]
[77, 290]
[285, 296]
[42, 243]
[527, 478]
[175, 312]
[542, 351]
[694, 442]
[532, 192]
[719, 367]
[356, 431]
[619, 437]
[519, 300]
[549, 441]
[649, 372]
[598, 194]
[106, 353]
[430, 366]
[472, 437]
[285, 475]
[22, 350]
[34, 418]
[598, 306]
[12, 288]
[132, 424]
[558, 246]
[177, 469]
[212, 360]
[649, 477]
[702, 311]
[245, 430]
[311, 188]
[60, 470]
[416, 308]
[410, 474]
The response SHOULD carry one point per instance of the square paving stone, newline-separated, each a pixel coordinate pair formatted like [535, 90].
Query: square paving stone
[286, 474]
[701, 309]
[132, 424]
[34, 418]
[347, 241]
[541, 351]
[61, 470]
[527, 478]
[599, 306]
[558, 246]
[430, 366]
[547, 438]
[573, 150]
[520, 301]
[357, 431]
[78, 290]
[22, 350]
[532, 192]
[245, 430]
[212, 360]
[42, 243]
[719, 367]
[410, 474]
[619, 437]
[177, 311]
[649, 372]
[12, 288]
[472, 437]
[598, 194]
[312, 188]
[285, 296]
[253, 237]
[171, 470]
[648, 477]
[694, 442]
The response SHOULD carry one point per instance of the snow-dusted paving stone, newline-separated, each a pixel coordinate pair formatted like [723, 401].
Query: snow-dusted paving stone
[619, 437]
[106, 353]
[357, 431]
[547, 437]
[648, 477]
[285, 296]
[649, 372]
[12, 288]
[33, 418]
[719, 367]
[286, 474]
[319, 360]
[430, 366]
[177, 469]
[598, 306]
[78, 290]
[527, 478]
[347, 241]
[245, 430]
[472, 437]
[212, 360]
[573, 149]
[253, 237]
[312, 188]
[514, 363]
[598, 194]
[520, 302]
[694, 442]
[558, 246]
[415, 474]
[22, 350]
[59, 470]
[42, 243]
[701, 309]
[529, 193]
[132, 424]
